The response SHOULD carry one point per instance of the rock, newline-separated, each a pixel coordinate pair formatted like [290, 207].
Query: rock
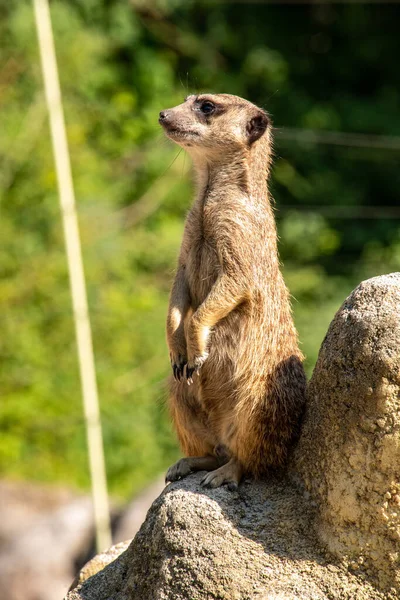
[99, 562]
[349, 452]
[270, 540]
[202, 544]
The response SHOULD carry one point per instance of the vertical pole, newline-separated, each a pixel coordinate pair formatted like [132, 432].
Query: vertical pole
[76, 273]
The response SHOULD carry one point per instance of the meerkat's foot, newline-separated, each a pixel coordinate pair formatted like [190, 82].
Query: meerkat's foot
[229, 474]
[185, 466]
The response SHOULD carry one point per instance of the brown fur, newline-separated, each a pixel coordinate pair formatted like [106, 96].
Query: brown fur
[229, 321]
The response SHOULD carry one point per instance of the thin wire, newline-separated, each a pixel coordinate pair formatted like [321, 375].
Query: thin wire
[344, 212]
[339, 138]
[76, 273]
[309, 2]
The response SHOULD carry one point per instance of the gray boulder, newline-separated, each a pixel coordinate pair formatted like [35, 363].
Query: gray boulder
[349, 452]
[329, 529]
[218, 545]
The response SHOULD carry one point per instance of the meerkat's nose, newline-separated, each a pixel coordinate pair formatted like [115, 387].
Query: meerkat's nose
[163, 116]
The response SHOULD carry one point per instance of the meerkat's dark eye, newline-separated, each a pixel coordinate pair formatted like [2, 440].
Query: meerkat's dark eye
[207, 107]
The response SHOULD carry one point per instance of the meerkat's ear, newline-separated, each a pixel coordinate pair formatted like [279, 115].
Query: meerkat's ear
[256, 126]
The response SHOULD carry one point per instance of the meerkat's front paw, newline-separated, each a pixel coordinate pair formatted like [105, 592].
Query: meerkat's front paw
[193, 366]
[178, 363]
[178, 471]
[197, 340]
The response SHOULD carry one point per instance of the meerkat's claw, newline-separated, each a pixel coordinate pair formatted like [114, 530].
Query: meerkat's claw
[178, 471]
[211, 481]
[178, 367]
[229, 474]
[188, 373]
[194, 367]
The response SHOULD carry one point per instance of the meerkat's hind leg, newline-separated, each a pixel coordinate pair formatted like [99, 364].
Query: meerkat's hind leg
[191, 464]
[230, 474]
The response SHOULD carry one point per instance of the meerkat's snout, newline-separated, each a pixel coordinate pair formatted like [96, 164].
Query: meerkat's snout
[178, 124]
[163, 117]
[168, 120]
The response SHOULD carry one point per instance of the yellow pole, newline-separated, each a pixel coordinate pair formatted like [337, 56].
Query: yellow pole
[76, 273]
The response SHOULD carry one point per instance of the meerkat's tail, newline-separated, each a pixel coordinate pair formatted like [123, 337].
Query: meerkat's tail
[267, 432]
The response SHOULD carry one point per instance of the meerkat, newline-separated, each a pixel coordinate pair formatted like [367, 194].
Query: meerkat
[238, 385]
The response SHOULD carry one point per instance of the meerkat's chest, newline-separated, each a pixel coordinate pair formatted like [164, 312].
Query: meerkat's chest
[202, 264]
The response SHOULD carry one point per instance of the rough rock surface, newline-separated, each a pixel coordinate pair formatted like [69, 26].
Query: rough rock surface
[99, 562]
[266, 541]
[349, 453]
[199, 544]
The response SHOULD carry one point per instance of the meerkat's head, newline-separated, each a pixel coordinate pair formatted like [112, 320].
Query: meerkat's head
[208, 125]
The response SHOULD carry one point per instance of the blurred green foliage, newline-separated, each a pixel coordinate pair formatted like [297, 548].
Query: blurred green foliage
[320, 67]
